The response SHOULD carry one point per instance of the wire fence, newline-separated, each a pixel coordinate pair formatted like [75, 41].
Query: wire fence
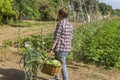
[21, 33]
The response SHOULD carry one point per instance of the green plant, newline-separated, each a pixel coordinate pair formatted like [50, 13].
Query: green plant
[35, 51]
[82, 36]
[6, 11]
[53, 62]
[20, 24]
[32, 62]
[7, 43]
[104, 48]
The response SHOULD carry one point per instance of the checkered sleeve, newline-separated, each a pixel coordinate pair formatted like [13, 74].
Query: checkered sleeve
[57, 32]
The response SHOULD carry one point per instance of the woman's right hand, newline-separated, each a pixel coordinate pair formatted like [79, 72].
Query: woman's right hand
[51, 52]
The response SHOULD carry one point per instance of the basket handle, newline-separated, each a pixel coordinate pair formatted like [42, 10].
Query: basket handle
[49, 54]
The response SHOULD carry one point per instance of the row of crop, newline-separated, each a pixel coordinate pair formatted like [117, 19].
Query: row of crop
[82, 36]
[98, 43]
[104, 47]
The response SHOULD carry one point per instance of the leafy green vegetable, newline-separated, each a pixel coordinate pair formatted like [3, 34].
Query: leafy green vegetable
[54, 62]
[32, 62]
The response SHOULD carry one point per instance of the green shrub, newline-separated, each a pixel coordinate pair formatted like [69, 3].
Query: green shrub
[82, 36]
[20, 24]
[104, 47]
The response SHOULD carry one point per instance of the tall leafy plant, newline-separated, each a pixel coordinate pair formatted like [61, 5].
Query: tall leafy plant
[104, 47]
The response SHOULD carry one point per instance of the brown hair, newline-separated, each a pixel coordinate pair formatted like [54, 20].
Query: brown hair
[63, 12]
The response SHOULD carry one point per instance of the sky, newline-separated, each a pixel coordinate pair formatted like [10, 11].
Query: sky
[114, 3]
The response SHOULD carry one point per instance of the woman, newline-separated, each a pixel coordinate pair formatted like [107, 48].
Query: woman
[62, 40]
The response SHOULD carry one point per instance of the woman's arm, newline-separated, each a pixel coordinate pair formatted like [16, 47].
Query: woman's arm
[57, 35]
[53, 46]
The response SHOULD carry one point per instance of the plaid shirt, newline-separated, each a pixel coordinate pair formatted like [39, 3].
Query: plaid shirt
[63, 36]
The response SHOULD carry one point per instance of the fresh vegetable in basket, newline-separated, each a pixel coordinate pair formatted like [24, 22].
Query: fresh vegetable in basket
[54, 62]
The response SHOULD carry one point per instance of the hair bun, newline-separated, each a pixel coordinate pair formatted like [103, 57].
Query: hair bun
[64, 9]
[63, 12]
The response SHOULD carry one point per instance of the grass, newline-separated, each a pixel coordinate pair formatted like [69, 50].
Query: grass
[25, 23]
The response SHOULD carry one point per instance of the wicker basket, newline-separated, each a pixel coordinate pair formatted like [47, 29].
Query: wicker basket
[51, 70]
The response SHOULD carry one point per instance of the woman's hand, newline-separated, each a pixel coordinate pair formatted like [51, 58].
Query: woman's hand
[52, 52]
[52, 49]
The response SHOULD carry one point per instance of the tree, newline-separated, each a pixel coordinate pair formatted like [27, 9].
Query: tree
[116, 12]
[6, 11]
[27, 8]
[49, 8]
[104, 8]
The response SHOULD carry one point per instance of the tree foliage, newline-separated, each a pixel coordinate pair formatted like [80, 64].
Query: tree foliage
[116, 12]
[27, 8]
[6, 10]
[47, 9]
[104, 8]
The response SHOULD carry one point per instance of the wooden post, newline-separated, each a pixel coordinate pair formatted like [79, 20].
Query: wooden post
[18, 38]
[42, 40]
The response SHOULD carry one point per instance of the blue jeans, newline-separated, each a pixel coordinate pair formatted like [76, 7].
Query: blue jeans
[62, 57]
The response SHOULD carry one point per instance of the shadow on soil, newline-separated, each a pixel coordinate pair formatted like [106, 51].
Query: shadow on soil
[14, 74]
[42, 78]
[11, 74]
